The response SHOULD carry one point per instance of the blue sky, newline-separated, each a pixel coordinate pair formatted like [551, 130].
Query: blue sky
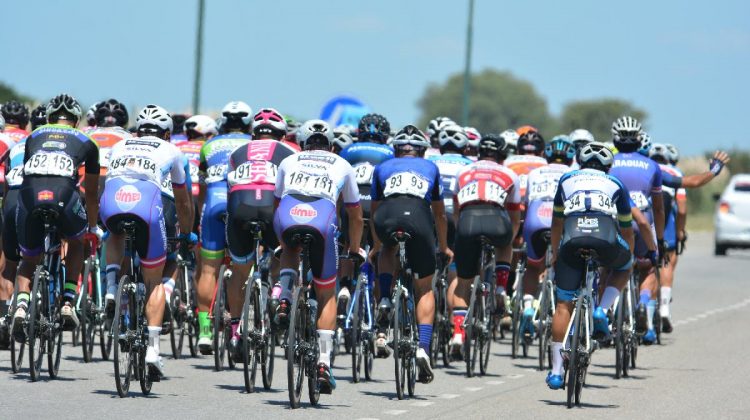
[685, 62]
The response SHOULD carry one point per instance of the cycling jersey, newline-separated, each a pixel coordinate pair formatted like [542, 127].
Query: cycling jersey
[106, 138]
[588, 191]
[148, 159]
[364, 157]
[407, 176]
[432, 152]
[16, 134]
[192, 151]
[6, 143]
[215, 154]
[487, 182]
[14, 165]
[254, 166]
[671, 195]
[317, 173]
[641, 175]
[522, 165]
[542, 186]
[56, 151]
[292, 144]
[449, 165]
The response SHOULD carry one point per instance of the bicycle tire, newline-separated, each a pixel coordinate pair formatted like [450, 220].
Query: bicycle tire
[445, 328]
[16, 348]
[35, 333]
[295, 366]
[413, 333]
[122, 357]
[485, 336]
[177, 322]
[400, 369]
[269, 353]
[249, 362]
[436, 325]
[368, 346]
[544, 328]
[470, 355]
[573, 362]
[144, 374]
[355, 332]
[54, 343]
[620, 336]
[311, 338]
[218, 323]
[88, 316]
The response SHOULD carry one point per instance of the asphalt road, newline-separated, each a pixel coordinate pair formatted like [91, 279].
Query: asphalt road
[700, 370]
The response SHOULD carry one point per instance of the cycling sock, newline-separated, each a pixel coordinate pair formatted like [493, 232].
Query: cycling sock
[650, 309]
[325, 341]
[528, 301]
[153, 337]
[502, 271]
[644, 297]
[111, 276]
[168, 283]
[459, 314]
[204, 324]
[287, 278]
[235, 328]
[557, 359]
[70, 288]
[666, 299]
[23, 300]
[425, 336]
[608, 298]
[385, 280]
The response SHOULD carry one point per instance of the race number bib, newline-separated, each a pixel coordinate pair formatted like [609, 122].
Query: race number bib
[544, 188]
[14, 177]
[312, 185]
[194, 174]
[216, 173]
[51, 164]
[406, 183]
[576, 203]
[363, 174]
[166, 186]
[597, 202]
[130, 164]
[603, 203]
[253, 172]
[640, 200]
[104, 154]
[492, 193]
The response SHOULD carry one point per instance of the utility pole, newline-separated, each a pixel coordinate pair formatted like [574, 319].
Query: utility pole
[198, 58]
[467, 68]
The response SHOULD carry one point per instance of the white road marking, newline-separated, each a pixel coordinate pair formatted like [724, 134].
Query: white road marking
[449, 396]
[422, 403]
[395, 412]
[711, 312]
[495, 382]
[515, 376]
[473, 388]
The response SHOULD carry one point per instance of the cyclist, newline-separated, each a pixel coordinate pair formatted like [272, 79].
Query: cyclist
[581, 137]
[290, 139]
[487, 199]
[236, 120]
[341, 139]
[178, 121]
[52, 156]
[16, 117]
[251, 178]
[91, 117]
[407, 194]
[433, 131]
[198, 130]
[530, 148]
[586, 198]
[511, 141]
[38, 117]
[542, 185]
[309, 185]
[472, 146]
[453, 140]
[138, 168]
[110, 120]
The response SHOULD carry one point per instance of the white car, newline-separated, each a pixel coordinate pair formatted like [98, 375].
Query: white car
[732, 220]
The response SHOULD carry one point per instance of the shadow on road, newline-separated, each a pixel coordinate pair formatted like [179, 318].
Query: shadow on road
[133, 394]
[241, 389]
[582, 405]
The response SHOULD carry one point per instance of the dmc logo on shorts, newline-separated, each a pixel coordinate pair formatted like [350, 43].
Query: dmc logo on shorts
[45, 195]
[127, 197]
[303, 213]
[545, 210]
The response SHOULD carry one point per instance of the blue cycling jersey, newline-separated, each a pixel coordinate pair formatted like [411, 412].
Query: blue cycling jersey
[588, 191]
[640, 175]
[407, 176]
[449, 165]
[14, 176]
[373, 153]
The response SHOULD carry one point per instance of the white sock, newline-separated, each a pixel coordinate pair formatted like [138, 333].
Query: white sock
[557, 359]
[609, 297]
[528, 300]
[666, 298]
[168, 283]
[500, 290]
[153, 337]
[650, 309]
[325, 341]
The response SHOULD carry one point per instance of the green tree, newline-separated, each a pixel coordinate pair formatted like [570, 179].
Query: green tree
[597, 115]
[498, 101]
[7, 93]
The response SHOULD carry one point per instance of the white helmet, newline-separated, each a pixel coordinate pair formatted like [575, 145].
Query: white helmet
[625, 130]
[2, 123]
[675, 153]
[239, 110]
[645, 143]
[511, 139]
[581, 135]
[453, 134]
[341, 136]
[659, 150]
[155, 115]
[411, 135]
[473, 135]
[598, 152]
[204, 125]
[437, 124]
[316, 130]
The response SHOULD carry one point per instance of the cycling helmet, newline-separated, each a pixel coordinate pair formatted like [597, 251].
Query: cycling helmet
[236, 115]
[178, 123]
[596, 156]
[64, 102]
[374, 128]
[341, 137]
[452, 137]
[315, 133]
[200, 126]
[581, 137]
[625, 131]
[156, 116]
[675, 154]
[111, 113]
[560, 150]
[659, 153]
[91, 115]
[269, 121]
[493, 145]
[434, 127]
[38, 116]
[2, 123]
[531, 143]
[473, 135]
[412, 136]
[645, 139]
[16, 113]
[511, 140]
[526, 129]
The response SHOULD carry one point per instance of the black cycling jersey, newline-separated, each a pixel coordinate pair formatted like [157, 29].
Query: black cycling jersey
[58, 151]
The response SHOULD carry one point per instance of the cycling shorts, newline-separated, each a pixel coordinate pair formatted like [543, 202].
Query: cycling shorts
[299, 215]
[640, 245]
[243, 207]
[10, 236]
[588, 231]
[538, 222]
[413, 216]
[213, 239]
[474, 221]
[50, 193]
[140, 202]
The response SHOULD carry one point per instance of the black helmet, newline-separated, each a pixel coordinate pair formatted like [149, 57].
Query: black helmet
[530, 142]
[493, 146]
[179, 123]
[373, 127]
[16, 113]
[111, 113]
[38, 116]
[64, 103]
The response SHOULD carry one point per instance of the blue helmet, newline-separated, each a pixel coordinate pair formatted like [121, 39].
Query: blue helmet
[560, 150]
[645, 143]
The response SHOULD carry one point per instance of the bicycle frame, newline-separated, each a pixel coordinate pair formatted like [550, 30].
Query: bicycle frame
[585, 294]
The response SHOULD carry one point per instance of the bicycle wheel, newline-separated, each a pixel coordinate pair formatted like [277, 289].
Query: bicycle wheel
[123, 356]
[620, 337]
[311, 339]
[54, 340]
[485, 337]
[177, 323]
[470, 347]
[88, 313]
[573, 359]
[36, 333]
[16, 353]
[436, 330]
[398, 337]
[249, 359]
[144, 374]
[218, 323]
[355, 332]
[269, 352]
[544, 318]
[515, 325]
[446, 329]
[295, 367]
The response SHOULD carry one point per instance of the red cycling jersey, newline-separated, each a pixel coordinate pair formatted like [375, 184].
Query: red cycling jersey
[487, 182]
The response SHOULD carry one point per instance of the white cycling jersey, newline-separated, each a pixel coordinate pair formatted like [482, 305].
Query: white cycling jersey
[317, 173]
[149, 159]
[542, 182]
